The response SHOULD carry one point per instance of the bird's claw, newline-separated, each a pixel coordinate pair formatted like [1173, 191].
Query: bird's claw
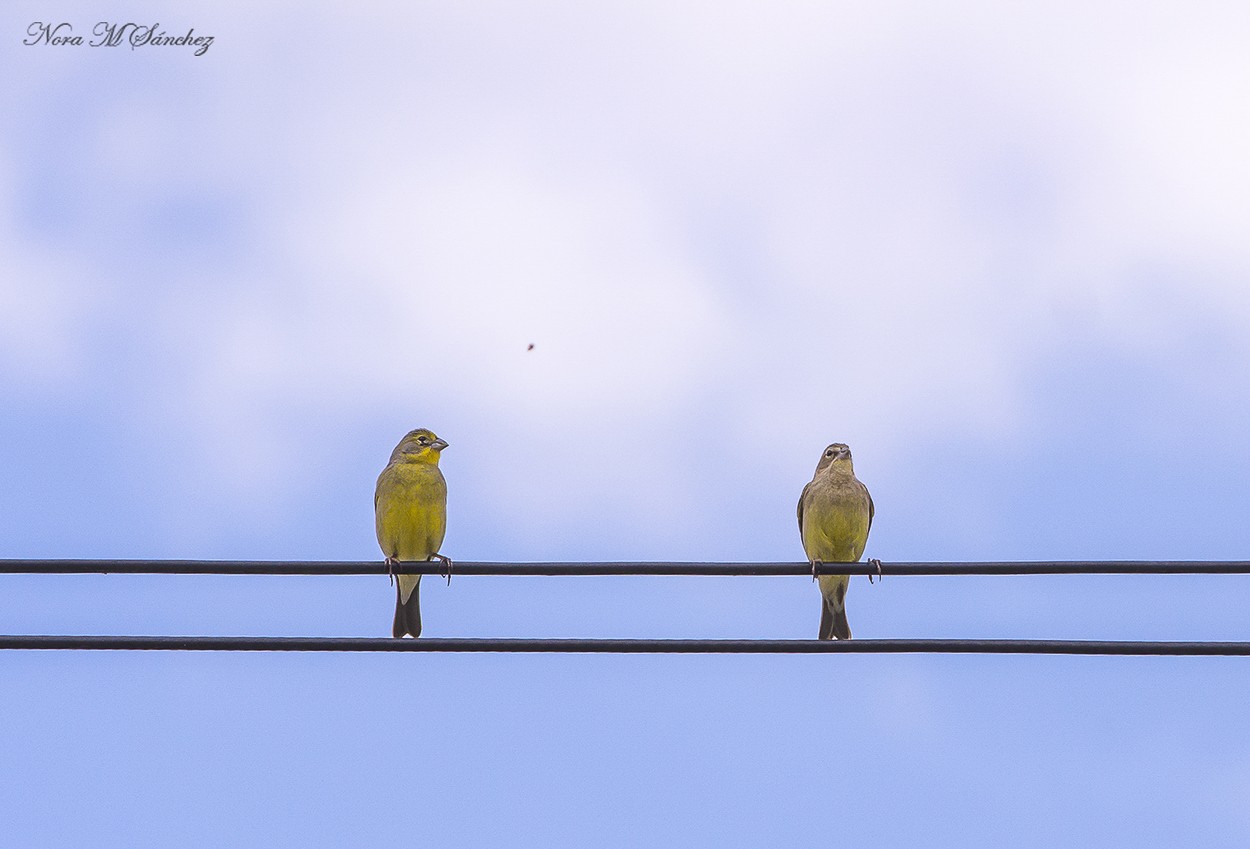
[391, 563]
[815, 564]
[446, 570]
[877, 563]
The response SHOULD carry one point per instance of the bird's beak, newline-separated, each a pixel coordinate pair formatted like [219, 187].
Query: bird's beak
[438, 444]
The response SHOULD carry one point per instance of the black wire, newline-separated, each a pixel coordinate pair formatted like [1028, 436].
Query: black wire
[374, 567]
[579, 646]
[640, 646]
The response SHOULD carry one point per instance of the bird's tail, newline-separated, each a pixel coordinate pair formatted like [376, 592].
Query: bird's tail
[833, 622]
[407, 606]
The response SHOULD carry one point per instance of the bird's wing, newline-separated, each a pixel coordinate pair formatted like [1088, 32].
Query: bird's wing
[802, 498]
[871, 509]
[377, 488]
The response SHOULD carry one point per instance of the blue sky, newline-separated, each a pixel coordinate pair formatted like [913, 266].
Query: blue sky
[1000, 252]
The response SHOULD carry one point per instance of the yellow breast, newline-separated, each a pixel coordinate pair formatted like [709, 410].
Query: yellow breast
[835, 525]
[410, 508]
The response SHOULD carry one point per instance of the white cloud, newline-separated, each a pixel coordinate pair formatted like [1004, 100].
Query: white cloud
[44, 305]
[462, 272]
[873, 221]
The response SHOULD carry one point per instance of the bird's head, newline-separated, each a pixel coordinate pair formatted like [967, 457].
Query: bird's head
[836, 460]
[419, 446]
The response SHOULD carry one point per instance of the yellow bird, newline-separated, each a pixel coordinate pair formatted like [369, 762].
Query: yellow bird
[835, 514]
[410, 507]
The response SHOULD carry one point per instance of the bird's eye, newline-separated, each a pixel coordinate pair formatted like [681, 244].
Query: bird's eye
[423, 440]
[829, 453]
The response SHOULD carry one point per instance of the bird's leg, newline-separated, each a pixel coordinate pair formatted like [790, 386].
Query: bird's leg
[815, 564]
[446, 561]
[872, 561]
[391, 563]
